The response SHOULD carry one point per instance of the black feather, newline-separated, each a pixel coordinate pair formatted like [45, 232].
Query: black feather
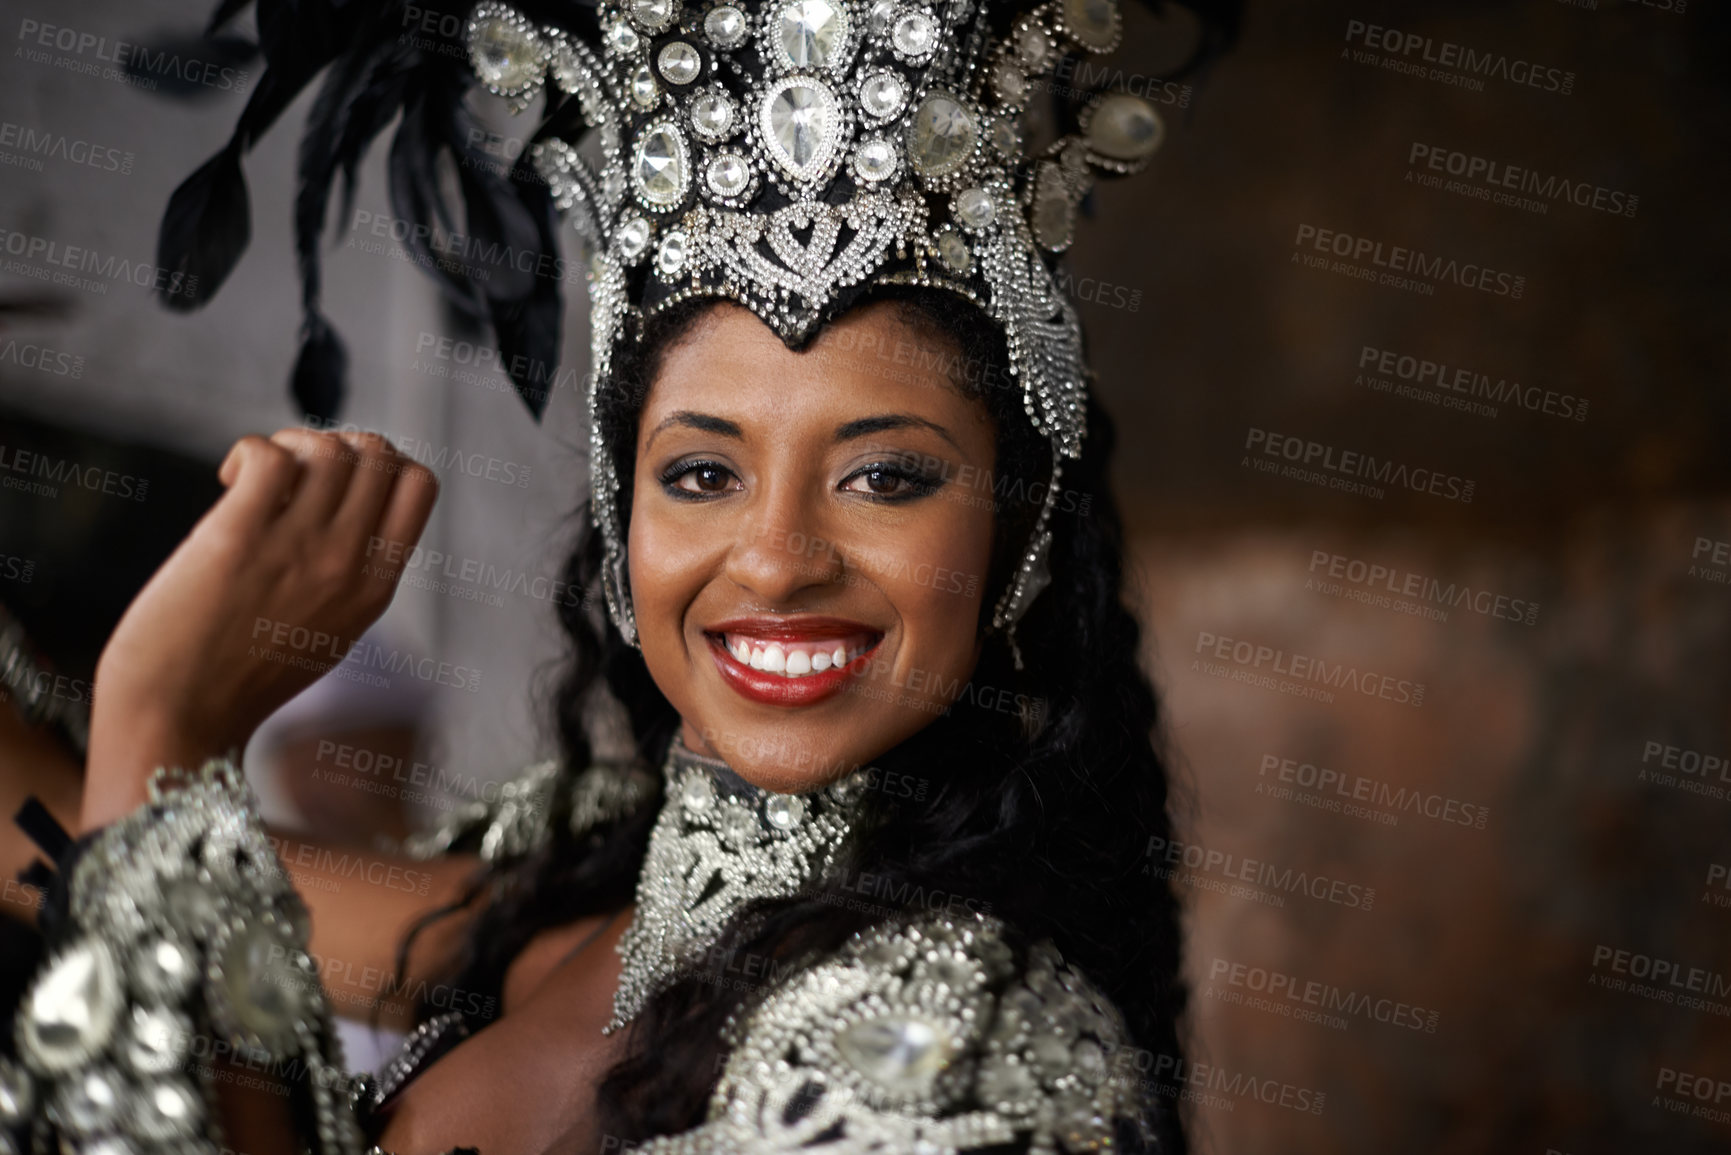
[529, 328]
[318, 384]
[205, 229]
[415, 195]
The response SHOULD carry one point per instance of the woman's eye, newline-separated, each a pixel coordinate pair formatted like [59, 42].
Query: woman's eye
[887, 481]
[699, 477]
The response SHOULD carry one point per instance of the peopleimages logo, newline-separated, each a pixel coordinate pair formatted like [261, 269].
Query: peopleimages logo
[1425, 56]
[89, 52]
[1398, 266]
[1454, 387]
[1347, 469]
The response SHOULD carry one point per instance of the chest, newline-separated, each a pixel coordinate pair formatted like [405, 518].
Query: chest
[527, 1082]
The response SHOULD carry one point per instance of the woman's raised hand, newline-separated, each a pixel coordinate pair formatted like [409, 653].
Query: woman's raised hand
[271, 588]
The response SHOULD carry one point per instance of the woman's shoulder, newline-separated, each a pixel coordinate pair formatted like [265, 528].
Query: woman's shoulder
[936, 1035]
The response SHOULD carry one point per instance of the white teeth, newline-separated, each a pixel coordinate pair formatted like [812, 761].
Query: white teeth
[795, 660]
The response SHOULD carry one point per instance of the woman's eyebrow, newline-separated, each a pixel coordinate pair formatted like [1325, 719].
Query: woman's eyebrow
[868, 425]
[704, 421]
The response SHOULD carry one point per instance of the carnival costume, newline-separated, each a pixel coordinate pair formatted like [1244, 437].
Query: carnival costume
[791, 156]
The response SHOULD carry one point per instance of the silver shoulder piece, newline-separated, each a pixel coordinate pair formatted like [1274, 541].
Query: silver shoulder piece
[183, 953]
[922, 1038]
[521, 818]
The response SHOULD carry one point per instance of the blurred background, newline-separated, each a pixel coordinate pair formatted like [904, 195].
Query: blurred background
[1456, 830]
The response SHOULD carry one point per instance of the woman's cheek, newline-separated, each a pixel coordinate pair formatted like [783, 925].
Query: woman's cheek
[940, 585]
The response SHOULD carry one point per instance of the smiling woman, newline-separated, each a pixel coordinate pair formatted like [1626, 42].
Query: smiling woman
[751, 453]
[868, 871]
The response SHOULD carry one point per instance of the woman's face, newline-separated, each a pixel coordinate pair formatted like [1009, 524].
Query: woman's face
[809, 540]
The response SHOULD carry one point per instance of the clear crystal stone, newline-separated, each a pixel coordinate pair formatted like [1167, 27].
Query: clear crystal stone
[712, 113]
[1054, 212]
[953, 252]
[784, 811]
[168, 1110]
[810, 32]
[157, 1040]
[1125, 127]
[915, 34]
[875, 159]
[643, 87]
[72, 1009]
[738, 826]
[1094, 23]
[659, 167]
[801, 119]
[727, 175]
[1052, 1054]
[506, 54]
[941, 136]
[1034, 48]
[679, 62]
[653, 14]
[974, 208]
[633, 238]
[879, 18]
[1004, 137]
[1011, 85]
[698, 794]
[266, 991]
[900, 1054]
[162, 969]
[90, 1102]
[1005, 1084]
[623, 38]
[192, 905]
[882, 95]
[17, 1094]
[1089, 1061]
[725, 26]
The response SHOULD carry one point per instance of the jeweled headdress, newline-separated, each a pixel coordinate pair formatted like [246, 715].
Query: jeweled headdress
[788, 155]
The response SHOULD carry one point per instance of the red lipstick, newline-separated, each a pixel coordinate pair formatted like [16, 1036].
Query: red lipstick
[777, 689]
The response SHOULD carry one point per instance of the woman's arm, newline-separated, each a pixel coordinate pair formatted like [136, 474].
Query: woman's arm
[181, 937]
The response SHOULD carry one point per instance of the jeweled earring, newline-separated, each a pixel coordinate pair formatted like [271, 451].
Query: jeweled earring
[616, 583]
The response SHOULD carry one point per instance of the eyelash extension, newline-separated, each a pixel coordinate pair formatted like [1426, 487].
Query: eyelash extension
[679, 469]
[920, 484]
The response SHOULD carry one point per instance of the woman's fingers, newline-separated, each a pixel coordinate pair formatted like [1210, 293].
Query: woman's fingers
[406, 514]
[260, 476]
[378, 467]
[327, 465]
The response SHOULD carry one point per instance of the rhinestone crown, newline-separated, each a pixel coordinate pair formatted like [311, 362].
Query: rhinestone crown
[791, 154]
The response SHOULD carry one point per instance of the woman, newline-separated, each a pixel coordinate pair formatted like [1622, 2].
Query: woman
[862, 585]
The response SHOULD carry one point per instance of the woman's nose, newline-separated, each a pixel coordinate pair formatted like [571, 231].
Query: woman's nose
[784, 546]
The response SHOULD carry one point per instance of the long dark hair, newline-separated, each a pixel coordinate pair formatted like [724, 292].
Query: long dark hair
[1034, 798]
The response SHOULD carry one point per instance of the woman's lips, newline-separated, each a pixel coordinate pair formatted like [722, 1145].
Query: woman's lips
[785, 665]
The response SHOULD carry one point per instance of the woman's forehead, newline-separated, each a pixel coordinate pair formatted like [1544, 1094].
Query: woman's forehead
[869, 359]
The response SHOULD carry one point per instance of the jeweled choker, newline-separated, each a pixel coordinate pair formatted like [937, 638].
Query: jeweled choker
[719, 843]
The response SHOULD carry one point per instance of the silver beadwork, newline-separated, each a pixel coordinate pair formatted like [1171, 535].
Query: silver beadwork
[923, 1038]
[718, 844]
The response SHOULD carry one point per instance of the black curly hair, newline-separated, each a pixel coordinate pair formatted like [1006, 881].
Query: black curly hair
[1040, 814]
